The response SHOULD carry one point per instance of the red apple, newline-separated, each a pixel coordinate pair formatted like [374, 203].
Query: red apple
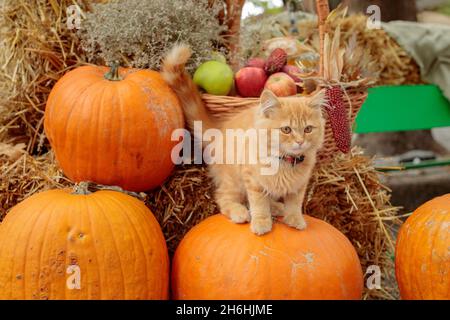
[293, 72]
[281, 85]
[250, 81]
[256, 63]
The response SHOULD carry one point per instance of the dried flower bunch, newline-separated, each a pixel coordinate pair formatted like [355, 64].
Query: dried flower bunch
[138, 33]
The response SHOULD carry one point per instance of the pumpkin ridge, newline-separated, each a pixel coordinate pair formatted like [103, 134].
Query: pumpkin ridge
[154, 237]
[34, 222]
[94, 246]
[95, 127]
[349, 255]
[72, 108]
[11, 262]
[137, 233]
[425, 219]
[44, 242]
[436, 235]
[147, 143]
[93, 158]
[79, 135]
[322, 247]
[413, 283]
[116, 250]
[41, 215]
[123, 133]
[66, 243]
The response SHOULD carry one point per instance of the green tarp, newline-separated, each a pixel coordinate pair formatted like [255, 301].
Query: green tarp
[429, 45]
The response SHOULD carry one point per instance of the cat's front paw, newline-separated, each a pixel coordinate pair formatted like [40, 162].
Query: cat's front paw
[260, 225]
[239, 214]
[295, 220]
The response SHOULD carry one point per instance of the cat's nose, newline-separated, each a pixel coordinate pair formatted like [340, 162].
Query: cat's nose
[299, 142]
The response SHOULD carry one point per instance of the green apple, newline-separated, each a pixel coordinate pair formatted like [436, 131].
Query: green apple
[214, 77]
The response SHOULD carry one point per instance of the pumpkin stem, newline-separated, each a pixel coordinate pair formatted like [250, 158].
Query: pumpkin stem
[113, 74]
[81, 188]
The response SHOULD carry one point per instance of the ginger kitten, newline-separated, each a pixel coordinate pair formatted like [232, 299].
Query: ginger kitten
[243, 192]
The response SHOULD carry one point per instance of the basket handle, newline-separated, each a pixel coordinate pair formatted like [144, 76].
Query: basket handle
[323, 9]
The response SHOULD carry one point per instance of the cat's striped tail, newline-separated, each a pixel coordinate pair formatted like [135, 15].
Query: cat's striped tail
[174, 73]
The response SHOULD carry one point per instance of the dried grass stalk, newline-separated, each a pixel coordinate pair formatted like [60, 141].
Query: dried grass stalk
[23, 176]
[36, 49]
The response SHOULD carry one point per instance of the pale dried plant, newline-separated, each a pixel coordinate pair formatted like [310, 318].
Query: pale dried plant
[139, 33]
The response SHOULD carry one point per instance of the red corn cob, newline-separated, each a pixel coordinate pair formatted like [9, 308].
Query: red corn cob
[339, 120]
[276, 61]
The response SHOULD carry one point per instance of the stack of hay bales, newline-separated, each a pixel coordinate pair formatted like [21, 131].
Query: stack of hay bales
[39, 49]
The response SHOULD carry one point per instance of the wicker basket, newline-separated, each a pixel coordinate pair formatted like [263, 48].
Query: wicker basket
[354, 97]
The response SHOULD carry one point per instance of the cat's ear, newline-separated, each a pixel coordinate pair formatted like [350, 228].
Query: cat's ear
[317, 99]
[268, 103]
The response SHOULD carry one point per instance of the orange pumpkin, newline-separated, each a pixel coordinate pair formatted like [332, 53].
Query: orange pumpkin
[422, 259]
[218, 259]
[60, 245]
[113, 128]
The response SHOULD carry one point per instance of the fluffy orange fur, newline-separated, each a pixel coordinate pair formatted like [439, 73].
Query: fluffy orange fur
[243, 193]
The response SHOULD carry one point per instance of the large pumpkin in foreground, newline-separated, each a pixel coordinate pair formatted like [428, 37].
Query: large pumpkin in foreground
[113, 128]
[422, 259]
[105, 245]
[218, 259]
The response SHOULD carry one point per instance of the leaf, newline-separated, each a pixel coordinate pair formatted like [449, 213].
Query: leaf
[338, 13]
[334, 53]
[326, 57]
[340, 62]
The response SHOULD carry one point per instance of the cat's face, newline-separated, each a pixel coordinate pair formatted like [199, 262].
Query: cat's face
[298, 120]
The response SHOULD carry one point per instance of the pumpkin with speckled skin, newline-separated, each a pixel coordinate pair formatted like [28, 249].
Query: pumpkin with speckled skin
[113, 128]
[104, 245]
[219, 259]
[422, 259]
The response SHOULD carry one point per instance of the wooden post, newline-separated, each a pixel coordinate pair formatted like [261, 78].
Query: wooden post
[233, 20]
[323, 10]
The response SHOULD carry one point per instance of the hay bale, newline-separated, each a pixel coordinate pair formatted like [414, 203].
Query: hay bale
[347, 193]
[393, 64]
[184, 200]
[24, 175]
[37, 49]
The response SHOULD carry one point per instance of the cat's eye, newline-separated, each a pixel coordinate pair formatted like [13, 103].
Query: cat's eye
[308, 129]
[286, 130]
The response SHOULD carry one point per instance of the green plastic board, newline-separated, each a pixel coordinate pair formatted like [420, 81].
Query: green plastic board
[403, 108]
